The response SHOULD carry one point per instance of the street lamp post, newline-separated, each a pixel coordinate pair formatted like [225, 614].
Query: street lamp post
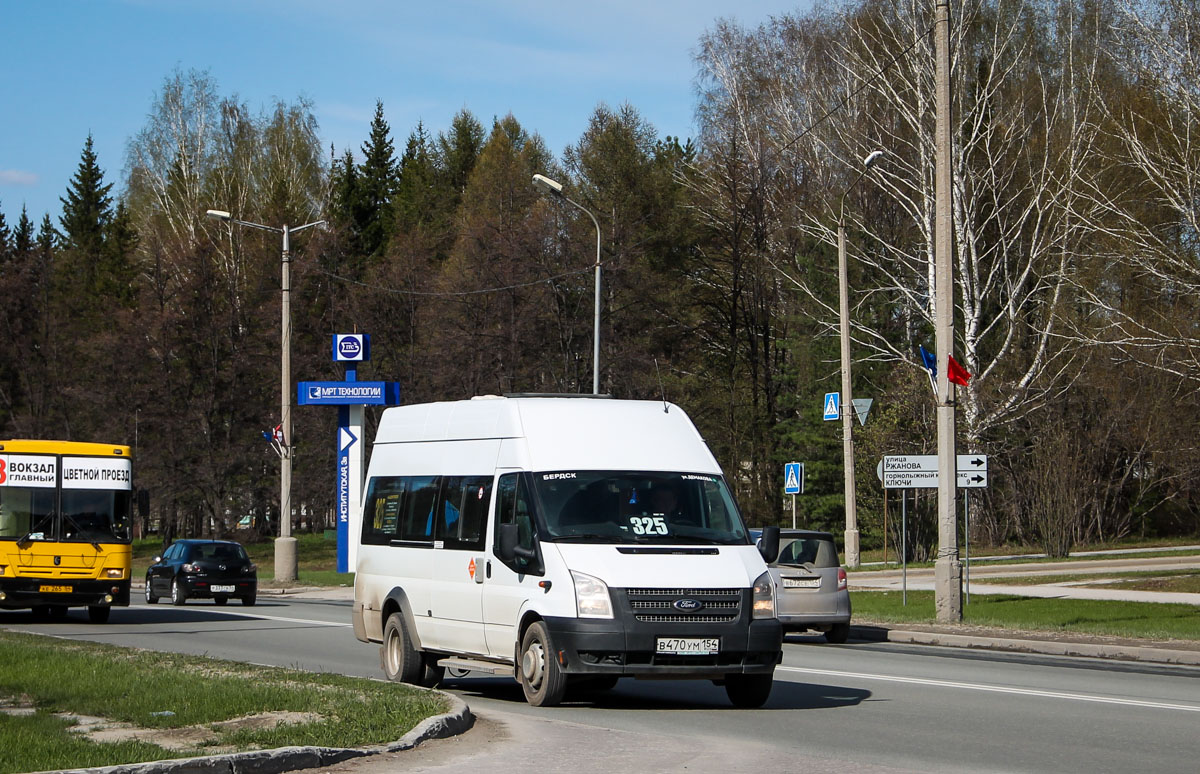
[554, 188]
[285, 546]
[852, 552]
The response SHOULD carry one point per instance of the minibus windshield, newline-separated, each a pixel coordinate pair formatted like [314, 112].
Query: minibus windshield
[606, 506]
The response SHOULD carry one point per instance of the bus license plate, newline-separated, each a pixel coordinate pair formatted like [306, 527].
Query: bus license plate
[223, 589]
[54, 589]
[688, 646]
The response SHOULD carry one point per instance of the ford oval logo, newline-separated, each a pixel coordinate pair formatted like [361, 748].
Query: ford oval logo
[687, 605]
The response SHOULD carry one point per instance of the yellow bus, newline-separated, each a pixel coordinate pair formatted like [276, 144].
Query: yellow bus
[65, 514]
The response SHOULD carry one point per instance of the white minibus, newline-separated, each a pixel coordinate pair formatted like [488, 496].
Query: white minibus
[561, 541]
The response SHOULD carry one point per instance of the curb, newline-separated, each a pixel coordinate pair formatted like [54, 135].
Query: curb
[1043, 647]
[284, 759]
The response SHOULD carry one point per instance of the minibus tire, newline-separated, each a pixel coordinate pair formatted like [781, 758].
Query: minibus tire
[541, 679]
[401, 661]
[748, 691]
[98, 613]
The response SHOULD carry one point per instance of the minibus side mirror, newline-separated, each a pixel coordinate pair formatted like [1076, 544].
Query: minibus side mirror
[509, 550]
[768, 544]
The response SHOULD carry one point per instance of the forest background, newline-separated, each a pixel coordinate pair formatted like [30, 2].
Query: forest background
[1076, 168]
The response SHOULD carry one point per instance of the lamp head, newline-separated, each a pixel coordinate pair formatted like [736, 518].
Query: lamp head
[871, 158]
[219, 215]
[546, 184]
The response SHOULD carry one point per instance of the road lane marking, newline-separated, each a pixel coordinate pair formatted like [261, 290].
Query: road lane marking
[282, 618]
[997, 689]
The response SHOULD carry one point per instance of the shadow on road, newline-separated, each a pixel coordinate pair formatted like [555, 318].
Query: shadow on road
[642, 695]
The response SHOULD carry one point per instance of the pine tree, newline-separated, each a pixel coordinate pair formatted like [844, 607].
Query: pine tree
[416, 200]
[378, 177]
[22, 240]
[87, 208]
[6, 246]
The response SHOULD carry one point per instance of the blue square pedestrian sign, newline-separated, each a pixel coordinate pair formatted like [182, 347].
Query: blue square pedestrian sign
[793, 478]
[832, 404]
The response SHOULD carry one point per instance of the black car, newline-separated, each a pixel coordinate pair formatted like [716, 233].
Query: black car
[216, 569]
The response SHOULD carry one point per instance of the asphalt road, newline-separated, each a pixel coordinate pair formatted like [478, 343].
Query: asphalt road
[860, 707]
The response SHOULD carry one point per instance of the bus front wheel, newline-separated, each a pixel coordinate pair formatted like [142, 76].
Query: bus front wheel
[98, 613]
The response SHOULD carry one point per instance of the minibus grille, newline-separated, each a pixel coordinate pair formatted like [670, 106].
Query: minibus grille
[659, 605]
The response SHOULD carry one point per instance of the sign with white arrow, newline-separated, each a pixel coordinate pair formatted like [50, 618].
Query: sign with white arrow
[920, 471]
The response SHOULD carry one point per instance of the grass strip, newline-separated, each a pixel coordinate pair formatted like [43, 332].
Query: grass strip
[1134, 620]
[151, 689]
[1145, 580]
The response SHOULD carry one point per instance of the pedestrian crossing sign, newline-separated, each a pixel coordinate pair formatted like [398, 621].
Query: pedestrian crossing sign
[793, 478]
[832, 401]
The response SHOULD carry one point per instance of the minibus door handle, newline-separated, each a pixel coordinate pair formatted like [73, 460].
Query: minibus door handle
[488, 568]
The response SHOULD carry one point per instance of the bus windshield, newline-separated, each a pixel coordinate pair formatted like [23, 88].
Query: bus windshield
[598, 506]
[86, 515]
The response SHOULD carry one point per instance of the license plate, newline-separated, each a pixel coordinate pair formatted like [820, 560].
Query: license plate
[688, 646]
[54, 589]
[802, 583]
[223, 589]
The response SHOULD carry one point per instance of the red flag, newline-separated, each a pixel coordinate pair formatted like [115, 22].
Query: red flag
[956, 373]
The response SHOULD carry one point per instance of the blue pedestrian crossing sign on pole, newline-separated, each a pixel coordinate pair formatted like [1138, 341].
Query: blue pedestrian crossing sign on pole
[832, 404]
[793, 478]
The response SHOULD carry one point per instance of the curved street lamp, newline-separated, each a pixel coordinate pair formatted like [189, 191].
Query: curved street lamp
[852, 553]
[554, 188]
[285, 546]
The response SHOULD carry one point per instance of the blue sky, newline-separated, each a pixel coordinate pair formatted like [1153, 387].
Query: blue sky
[76, 66]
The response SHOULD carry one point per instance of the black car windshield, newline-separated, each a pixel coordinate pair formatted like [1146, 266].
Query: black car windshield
[606, 506]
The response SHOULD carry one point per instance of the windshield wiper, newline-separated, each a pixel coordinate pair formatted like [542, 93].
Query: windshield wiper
[79, 530]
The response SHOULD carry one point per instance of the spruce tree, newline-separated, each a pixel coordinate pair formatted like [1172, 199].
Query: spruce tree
[416, 200]
[378, 177]
[6, 246]
[87, 208]
[22, 239]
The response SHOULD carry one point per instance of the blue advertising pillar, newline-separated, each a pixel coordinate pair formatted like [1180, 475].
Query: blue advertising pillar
[349, 396]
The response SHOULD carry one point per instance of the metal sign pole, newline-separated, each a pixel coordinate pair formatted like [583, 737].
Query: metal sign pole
[904, 542]
[793, 511]
[967, 545]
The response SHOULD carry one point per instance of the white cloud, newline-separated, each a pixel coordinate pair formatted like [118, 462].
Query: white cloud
[17, 177]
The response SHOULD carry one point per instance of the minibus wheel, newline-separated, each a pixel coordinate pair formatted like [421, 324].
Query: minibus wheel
[541, 678]
[401, 661]
[748, 691]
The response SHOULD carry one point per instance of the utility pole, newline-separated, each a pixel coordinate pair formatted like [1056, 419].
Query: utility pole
[947, 568]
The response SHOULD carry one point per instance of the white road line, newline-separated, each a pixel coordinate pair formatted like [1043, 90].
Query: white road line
[283, 619]
[997, 689]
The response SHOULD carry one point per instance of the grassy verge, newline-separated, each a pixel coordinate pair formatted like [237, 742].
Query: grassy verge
[1147, 580]
[876, 554]
[1146, 620]
[165, 691]
[316, 560]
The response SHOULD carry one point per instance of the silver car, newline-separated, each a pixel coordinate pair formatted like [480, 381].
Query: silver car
[810, 585]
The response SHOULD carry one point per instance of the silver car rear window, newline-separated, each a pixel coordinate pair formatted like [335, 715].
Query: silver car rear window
[817, 552]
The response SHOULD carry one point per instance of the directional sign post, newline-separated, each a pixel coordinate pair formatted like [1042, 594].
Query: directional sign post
[349, 396]
[920, 471]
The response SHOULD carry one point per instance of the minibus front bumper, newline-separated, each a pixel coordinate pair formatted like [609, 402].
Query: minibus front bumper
[628, 643]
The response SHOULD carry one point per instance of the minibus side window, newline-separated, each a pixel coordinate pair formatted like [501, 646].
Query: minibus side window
[417, 524]
[381, 516]
[515, 506]
[462, 511]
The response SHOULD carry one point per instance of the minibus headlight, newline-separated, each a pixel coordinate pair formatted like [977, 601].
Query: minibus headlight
[591, 597]
[764, 596]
